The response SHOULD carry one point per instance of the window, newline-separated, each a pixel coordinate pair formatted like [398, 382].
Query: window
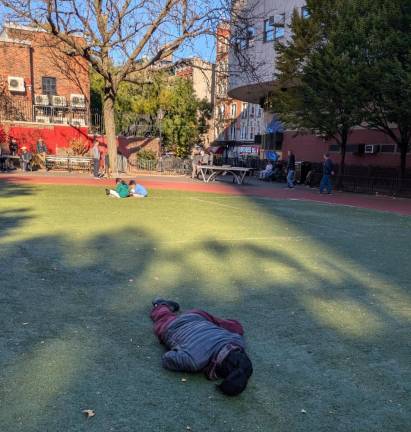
[221, 111]
[233, 110]
[252, 110]
[279, 31]
[268, 31]
[250, 36]
[244, 110]
[252, 133]
[259, 112]
[387, 148]
[49, 86]
[232, 132]
[305, 12]
[243, 134]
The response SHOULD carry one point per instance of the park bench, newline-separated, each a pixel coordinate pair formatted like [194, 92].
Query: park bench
[69, 163]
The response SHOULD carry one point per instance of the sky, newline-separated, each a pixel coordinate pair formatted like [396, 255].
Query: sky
[203, 46]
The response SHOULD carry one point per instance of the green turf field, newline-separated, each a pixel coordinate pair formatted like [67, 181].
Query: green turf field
[323, 293]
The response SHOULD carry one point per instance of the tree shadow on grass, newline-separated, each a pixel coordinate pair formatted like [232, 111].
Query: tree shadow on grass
[10, 189]
[76, 335]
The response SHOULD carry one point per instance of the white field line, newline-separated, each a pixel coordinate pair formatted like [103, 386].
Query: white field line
[215, 203]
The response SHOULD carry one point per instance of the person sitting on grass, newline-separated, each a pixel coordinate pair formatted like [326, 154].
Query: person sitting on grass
[198, 341]
[136, 190]
[121, 190]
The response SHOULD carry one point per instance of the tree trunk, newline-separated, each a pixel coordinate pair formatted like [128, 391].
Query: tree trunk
[342, 162]
[110, 130]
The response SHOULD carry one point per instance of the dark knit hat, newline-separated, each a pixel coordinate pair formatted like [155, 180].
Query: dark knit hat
[236, 370]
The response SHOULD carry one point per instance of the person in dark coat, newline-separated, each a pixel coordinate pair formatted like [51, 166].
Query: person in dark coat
[328, 171]
[13, 147]
[198, 341]
[290, 169]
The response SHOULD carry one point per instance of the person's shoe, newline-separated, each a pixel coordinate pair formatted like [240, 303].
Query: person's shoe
[174, 306]
[107, 192]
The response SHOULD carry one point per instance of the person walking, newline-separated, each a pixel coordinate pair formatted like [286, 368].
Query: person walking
[328, 171]
[95, 152]
[290, 169]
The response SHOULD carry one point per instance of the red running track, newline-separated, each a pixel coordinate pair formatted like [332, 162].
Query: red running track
[400, 206]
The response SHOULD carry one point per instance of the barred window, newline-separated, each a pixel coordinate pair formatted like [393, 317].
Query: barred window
[49, 86]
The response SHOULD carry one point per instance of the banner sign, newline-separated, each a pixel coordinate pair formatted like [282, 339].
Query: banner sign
[250, 150]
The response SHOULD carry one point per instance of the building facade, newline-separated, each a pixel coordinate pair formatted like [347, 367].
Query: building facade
[44, 88]
[252, 65]
[238, 124]
[202, 76]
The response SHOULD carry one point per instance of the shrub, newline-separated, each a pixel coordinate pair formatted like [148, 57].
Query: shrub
[146, 155]
[78, 147]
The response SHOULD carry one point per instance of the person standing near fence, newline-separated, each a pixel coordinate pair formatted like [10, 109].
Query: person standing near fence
[328, 171]
[290, 169]
[95, 152]
[196, 158]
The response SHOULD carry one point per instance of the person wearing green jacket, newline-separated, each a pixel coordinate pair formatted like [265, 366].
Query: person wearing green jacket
[121, 190]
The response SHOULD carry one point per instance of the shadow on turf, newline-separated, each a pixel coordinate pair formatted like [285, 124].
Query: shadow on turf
[13, 218]
[78, 335]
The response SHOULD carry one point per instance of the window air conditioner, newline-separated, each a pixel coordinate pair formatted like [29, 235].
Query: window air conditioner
[59, 101]
[42, 100]
[42, 119]
[16, 84]
[78, 101]
[78, 122]
[371, 148]
[278, 19]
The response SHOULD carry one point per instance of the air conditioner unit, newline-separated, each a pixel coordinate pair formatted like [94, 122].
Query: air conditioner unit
[42, 119]
[77, 101]
[16, 84]
[371, 148]
[276, 20]
[60, 120]
[58, 101]
[78, 122]
[42, 100]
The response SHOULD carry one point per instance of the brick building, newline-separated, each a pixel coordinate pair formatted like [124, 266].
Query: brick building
[44, 89]
[238, 124]
[202, 76]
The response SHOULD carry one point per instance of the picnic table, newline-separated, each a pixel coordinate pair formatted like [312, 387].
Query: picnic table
[210, 172]
[6, 160]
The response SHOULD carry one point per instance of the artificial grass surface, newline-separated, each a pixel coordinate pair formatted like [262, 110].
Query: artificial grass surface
[323, 293]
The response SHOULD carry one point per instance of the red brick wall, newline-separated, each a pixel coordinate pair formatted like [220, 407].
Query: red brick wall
[311, 148]
[71, 73]
[15, 61]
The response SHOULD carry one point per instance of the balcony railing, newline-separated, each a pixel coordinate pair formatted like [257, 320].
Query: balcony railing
[16, 110]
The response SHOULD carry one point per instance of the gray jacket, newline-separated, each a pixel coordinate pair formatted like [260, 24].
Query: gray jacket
[194, 341]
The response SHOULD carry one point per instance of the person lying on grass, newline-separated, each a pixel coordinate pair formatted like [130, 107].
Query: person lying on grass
[198, 341]
[136, 190]
[121, 190]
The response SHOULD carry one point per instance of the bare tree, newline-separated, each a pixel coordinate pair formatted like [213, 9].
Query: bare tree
[122, 40]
